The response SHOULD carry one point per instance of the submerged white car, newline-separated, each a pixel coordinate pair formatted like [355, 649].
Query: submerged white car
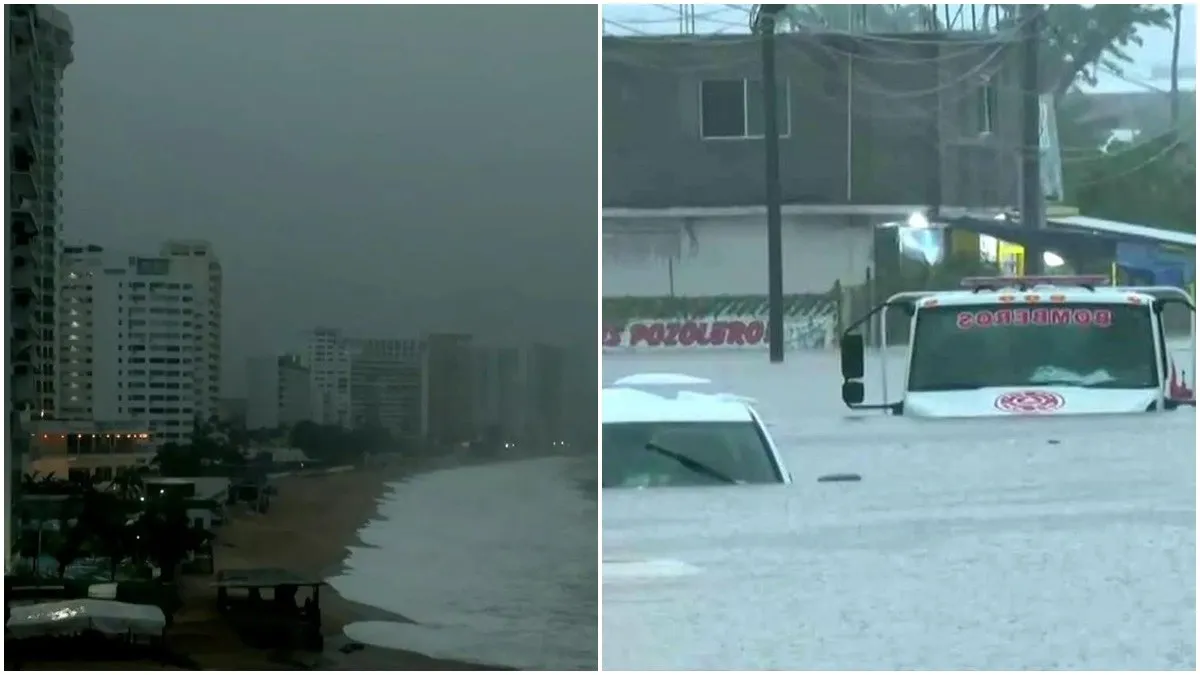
[1029, 346]
[659, 431]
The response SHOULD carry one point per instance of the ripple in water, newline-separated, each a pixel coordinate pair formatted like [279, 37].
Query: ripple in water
[496, 564]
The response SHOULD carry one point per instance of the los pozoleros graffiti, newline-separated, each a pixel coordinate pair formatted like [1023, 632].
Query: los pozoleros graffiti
[716, 333]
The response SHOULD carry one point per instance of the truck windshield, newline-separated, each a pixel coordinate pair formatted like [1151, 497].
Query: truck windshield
[1103, 346]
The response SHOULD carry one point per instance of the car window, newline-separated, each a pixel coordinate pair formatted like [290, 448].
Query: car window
[735, 449]
[1096, 345]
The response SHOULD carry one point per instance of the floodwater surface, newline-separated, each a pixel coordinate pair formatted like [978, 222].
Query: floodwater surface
[1010, 544]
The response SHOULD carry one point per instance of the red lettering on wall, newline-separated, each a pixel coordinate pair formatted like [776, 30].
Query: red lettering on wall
[687, 334]
[755, 332]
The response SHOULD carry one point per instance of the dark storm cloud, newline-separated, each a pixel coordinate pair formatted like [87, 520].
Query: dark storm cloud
[387, 169]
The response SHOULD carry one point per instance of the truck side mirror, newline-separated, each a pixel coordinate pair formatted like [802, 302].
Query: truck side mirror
[852, 392]
[852, 356]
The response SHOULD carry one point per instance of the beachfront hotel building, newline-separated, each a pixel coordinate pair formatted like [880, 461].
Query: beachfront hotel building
[77, 449]
[40, 39]
[385, 378]
[519, 392]
[278, 392]
[328, 361]
[141, 337]
[447, 380]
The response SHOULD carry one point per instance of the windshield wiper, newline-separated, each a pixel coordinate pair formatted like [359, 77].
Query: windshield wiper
[689, 463]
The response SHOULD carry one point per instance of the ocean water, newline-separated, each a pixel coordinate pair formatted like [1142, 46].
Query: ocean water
[496, 564]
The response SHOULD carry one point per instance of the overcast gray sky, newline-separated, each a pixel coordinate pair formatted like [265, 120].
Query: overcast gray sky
[385, 169]
[734, 19]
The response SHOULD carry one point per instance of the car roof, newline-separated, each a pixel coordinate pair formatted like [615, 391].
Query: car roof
[654, 379]
[621, 405]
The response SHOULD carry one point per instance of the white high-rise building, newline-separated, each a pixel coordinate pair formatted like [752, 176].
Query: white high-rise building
[140, 337]
[385, 378]
[39, 48]
[328, 361]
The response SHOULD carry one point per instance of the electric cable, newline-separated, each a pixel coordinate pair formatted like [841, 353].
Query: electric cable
[1160, 155]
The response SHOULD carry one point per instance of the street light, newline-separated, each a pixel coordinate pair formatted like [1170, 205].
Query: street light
[765, 25]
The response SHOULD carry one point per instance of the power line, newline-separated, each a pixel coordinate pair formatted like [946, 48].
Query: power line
[1161, 154]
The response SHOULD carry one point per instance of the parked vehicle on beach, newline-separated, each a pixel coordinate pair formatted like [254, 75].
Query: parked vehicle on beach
[657, 431]
[1029, 346]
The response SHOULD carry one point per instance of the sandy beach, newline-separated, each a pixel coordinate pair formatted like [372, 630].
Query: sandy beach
[311, 521]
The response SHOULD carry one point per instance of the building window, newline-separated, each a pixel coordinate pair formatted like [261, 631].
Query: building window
[734, 109]
[985, 107]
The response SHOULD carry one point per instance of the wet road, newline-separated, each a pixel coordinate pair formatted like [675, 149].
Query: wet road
[495, 563]
[1062, 543]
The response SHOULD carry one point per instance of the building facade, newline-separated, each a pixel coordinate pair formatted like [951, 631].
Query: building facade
[328, 361]
[871, 130]
[39, 49]
[446, 389]
[84, 449]
[279, 392]
[196, 258]
[520, 392]
[385, 378]
[139, 337]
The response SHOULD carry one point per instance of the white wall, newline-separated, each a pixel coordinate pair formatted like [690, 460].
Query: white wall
[728, 255]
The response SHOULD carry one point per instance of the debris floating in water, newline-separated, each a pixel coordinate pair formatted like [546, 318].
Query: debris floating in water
[840, 478]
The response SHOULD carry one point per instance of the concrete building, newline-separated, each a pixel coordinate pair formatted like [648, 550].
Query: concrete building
[328, 361]
[446, 383]
[385, 379]
[140, 337]
[871, 129]
[519, 392]
[279, 392]
[39, 50]
[196, 258]
[72, 449]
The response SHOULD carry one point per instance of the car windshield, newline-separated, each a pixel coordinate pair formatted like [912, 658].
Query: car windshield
[1101, 346]
[734, 450]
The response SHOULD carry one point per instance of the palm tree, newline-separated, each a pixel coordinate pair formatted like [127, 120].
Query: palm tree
[127, 483]
[1177, 15]
[164, 536]
[105, 519]
[36, 484]
[72, 536]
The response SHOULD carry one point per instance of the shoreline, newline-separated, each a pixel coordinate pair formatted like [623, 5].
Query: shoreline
[312, 522]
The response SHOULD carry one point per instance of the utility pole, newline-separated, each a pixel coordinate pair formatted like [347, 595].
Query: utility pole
[767, 15]
[1032, 200]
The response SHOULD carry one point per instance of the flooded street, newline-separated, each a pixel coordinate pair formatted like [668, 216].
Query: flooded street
[496, 564]
[1051, 543]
